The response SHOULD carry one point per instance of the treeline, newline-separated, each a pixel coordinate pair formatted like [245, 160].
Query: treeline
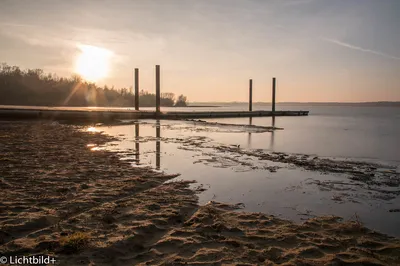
[34, 87]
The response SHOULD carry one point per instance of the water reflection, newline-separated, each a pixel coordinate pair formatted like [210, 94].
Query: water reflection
[271, 140]
[138, 145]
[249, 134]
[226, 174]
[158, 144]
[271, 143]
[137, 148]
[142, 155]
[92, 129]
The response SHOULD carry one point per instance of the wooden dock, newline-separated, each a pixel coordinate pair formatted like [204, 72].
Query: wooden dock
[109, 114]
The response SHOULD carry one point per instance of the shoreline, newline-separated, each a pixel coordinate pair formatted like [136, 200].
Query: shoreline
[97, 209]
[308, 185]
[11, 106]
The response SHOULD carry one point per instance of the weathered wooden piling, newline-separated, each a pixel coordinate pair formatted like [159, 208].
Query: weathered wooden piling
[158, 94]
[250, 95]
[137, 89]
[273, 94]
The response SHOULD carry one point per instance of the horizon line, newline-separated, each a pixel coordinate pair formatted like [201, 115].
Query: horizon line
[301, 102]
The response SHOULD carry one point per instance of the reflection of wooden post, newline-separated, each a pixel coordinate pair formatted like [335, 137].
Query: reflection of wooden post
[271, 144]
[251, 95]
[158, 95]
[273, 95]
[137, 142]
[137, 89]
[249, 134]
[158, 145]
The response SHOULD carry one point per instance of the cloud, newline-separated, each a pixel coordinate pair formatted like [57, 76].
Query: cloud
[33, 35]
[10, 24]
[350, 46]
[297, 2]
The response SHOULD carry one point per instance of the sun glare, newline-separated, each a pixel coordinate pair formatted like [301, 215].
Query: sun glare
[91, 129]
[93, 62]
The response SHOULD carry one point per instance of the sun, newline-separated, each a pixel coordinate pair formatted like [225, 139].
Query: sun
[93, 63]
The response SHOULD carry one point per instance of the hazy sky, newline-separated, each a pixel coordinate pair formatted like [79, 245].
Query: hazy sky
[319, 50]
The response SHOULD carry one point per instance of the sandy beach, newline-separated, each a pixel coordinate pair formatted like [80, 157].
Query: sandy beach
[63, 197]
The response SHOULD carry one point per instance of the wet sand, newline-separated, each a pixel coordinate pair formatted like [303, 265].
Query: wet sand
[88, 207]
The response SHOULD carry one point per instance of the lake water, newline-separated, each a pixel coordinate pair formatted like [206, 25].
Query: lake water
[370, 134]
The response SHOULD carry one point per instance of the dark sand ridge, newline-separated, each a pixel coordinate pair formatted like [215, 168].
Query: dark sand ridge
[91, 208]
[201, 126]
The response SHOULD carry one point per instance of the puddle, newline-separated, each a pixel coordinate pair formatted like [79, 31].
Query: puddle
[275, 183]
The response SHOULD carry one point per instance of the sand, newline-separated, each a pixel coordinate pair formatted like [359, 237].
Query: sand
[87, 207]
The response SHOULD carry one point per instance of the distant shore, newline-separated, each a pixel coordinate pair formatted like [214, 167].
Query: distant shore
[55, 106]
[199, 106]
[371, 104]
[231, 104]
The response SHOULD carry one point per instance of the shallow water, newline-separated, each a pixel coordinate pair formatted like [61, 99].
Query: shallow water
[289, 192]
[348, 132]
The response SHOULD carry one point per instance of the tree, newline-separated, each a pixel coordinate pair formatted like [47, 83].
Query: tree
[34, 87]
[182, 101]
[167, 99]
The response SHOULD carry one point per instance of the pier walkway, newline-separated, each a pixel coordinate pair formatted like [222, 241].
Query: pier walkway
[102, 113]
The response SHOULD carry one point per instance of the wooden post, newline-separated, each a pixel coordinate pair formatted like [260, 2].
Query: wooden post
[158, 95]
[137, 89]
[250, 95]
[273, 95]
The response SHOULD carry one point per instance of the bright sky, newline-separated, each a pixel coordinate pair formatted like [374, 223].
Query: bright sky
[319, 50]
